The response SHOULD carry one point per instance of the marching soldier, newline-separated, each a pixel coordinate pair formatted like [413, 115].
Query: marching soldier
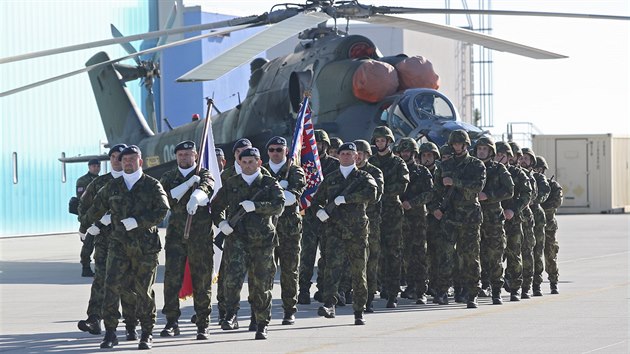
[137, 204]
[513, 212]
[188, 194]
[289, 228]
[250, 242]
[349, 190]
[87, 239]
[419, 192]
[499, 187]
[396, 177]
[460, 213]
[373, 212]
[553, 202]
[429, 155]
[101, 231]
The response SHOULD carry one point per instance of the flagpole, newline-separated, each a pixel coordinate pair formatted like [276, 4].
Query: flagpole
[202, 151]
[307, 93]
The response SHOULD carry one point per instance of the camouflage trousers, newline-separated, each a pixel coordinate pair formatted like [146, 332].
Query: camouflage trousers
[539, 248]
[287, 255]
[86, 250]
[551, 251]
[355, 250]
[527, 249]
[414, 262]
[311, 238]
[390, 260]
[467, 239]
[514, 265]
[374, 252]
[128, 267]
[97, 291]
[198, 250]
[493, 243]
[433, 238]
[254, 258]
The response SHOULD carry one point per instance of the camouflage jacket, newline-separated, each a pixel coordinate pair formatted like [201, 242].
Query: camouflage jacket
[373, 210]
[522, 193]
[395, 174]
[179, 214]
[350, 216]
[146, 202]
[554, 200]
[88, 198]
[420, 189]
[83, 182]
[499, 187]
[258, 225]
[329, 163]
[532, 185]
[297, 184]
[542, 187]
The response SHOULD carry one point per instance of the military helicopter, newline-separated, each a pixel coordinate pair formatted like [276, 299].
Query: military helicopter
[325, 64]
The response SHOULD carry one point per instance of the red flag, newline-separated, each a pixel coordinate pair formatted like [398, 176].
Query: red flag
[187, 289]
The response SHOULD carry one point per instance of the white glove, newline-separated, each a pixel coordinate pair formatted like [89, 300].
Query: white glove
[248, 205]
[82, 236]
[225, 227]
[105, 220]
[92, 230]
[192, 206]
[130, 223]
[197, 198]
[284, 184]
[192, 180]
[289, 198]
[322, 215]
[340, 200]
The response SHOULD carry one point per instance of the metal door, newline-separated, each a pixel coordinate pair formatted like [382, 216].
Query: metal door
[572, 171]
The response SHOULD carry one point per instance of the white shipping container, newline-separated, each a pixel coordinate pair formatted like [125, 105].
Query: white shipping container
[593, 170]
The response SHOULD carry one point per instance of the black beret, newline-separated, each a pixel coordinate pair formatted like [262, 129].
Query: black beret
[116, 148]
[131, 149]
[347, 146]
[185, 145]
[240, 143]
[219, 152]
[94, 162]
[277, 140]
[252, 151]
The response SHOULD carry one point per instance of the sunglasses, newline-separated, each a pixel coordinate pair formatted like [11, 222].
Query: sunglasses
[275, 150]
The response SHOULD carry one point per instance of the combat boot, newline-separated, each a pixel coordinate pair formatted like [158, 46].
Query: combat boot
[349, 297]
[202, 332]
[514, 296]
[230, 322]
[171, 329]
[358, 318]
[536, 291]
[87, 272]
[146, 341]
[261, 331]
[289, 318]
[443, 298]
[472, 302]
[484, 291]
[369, 306]
[110, 339]
[392, 302]
[253, 326]
[304, 297]
[422, 299]
[525, 294]
[496, 297]
[554, 288]
[130, 332]
[327, 310]
[92, 325]
[341, 299]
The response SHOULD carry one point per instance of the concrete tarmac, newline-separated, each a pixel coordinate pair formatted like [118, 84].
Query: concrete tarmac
[43, 297]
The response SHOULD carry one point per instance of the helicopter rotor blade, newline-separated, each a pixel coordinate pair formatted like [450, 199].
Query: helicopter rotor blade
[126, 45]
[255, 20]
[168, 25]
[142, 52]
[464, 36]
[149, 104]
[246, 50]
[410, 10]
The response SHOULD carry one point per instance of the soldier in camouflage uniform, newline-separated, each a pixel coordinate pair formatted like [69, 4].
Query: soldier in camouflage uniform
[373, 212]
[188, 194]
[513, 212]
[553, 202]
[94, 168]
[335, 143]
[101, 230]
[419, 192]
[137, 204]
[396, 176]
[430, 158]
[460, 214]
[312, 230]
[341, 200]
[499, 187]
[289, 228]
[251, 241]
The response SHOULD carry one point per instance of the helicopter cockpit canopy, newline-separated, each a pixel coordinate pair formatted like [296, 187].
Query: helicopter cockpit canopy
[412, 113]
